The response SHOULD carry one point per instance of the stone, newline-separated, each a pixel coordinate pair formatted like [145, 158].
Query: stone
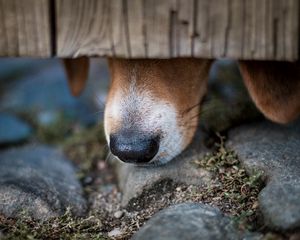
[13, 129]
[275, 150]
[116, 232]
[279, 204]
[40, 182]
[118, 214]
[188, 221]
[227, 103]
[134, 179]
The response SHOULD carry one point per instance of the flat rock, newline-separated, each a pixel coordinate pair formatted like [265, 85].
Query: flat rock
[189, 221]
[279, 203]
[13, 129]
[274, 149]
[38, 181]
[133, 179]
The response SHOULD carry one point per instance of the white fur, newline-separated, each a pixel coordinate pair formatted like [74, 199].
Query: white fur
[138, 109]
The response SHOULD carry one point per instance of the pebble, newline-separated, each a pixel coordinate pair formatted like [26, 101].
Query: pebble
[115, 232]
[118, 214]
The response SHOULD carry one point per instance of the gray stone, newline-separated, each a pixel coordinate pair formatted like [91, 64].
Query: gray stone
[280, 204]
[133, 179]
[188, 221]
[38, 181]
[115, 233]
[275, 150]
[12, 129]
[253, 236]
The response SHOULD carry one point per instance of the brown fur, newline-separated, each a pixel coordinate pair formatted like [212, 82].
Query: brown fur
[181, 82]
[274, 88]
[77, 71]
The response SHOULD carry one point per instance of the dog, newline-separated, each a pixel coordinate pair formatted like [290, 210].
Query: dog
[153, 105]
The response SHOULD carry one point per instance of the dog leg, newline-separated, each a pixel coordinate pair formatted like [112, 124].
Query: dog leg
[274, 88]
[77, 70]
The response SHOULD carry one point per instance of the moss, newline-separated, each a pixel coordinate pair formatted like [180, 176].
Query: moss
[232, 190]
[86, 148]
[55, 132]
[234, 187]
[219, 115]
[227, 103]
[65, 227]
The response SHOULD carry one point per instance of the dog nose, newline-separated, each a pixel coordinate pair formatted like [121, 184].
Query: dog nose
[134, 146]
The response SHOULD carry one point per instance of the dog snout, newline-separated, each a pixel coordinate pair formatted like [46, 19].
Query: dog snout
[134, 146]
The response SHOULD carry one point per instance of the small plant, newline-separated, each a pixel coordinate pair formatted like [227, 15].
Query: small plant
[64, 227]
[86, 148]
[234, 187]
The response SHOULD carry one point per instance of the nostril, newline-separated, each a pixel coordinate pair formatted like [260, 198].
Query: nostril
[151, 149]
[134, 147]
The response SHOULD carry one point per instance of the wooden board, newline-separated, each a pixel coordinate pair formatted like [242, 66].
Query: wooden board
[241, 29]
[244, 29]
[25, 28]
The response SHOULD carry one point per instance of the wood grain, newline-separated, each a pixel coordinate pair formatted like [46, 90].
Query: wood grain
[25, 28]
[83, 28]
[256, 29]
[241, 29]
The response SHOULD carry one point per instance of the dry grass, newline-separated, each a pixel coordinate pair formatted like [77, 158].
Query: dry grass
[65, 227]
[233, 191]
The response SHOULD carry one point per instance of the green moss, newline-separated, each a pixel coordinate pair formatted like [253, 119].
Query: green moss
[65, 227]
[219, 115]
[233, 185]
[55, 132]
[86, 148]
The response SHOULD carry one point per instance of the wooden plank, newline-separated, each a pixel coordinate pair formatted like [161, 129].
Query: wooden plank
[249, 30]
[202, 32]
[136, 28]
[157, 24]
[287, 18]
[119, 28]
[219, 17]
[25, 28]
[291, 33]
[185, 26]
[234, 32]
[260, 12]
[84, 28]
[242, 29]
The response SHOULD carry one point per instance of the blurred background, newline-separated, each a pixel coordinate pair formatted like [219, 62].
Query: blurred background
[36, 104]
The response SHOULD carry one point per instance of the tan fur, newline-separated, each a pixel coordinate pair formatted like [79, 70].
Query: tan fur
[181, 82]
[274, 88]
[77, 71]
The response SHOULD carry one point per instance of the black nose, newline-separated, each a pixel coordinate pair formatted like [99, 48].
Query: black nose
[134, 146]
